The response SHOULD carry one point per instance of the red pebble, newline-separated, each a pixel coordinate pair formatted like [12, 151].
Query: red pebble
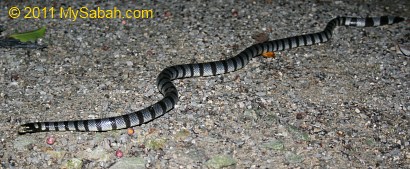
[51, 140]
[167, 14]
[234, 12]
[119, 153]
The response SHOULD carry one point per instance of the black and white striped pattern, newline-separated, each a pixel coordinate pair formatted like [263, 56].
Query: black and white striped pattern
[167, 88]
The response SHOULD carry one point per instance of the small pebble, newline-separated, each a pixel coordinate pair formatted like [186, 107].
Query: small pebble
[119, 153]
[51, 140]
[130, 131]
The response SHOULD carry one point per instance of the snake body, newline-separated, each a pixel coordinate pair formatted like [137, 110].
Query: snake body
[170, 92]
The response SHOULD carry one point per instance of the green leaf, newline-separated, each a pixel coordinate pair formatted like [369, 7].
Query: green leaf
[220, 161]
[275, 145]
[29, 36]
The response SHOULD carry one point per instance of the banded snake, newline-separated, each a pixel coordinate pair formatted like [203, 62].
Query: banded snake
[170, 93]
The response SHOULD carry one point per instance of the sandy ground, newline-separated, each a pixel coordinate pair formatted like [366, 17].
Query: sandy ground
[342, 104]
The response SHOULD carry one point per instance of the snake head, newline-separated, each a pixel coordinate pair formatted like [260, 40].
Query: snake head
[28, 128]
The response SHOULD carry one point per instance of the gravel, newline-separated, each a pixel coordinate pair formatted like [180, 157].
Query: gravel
[342, 103]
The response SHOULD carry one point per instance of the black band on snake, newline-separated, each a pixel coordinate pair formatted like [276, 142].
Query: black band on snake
[168, 89]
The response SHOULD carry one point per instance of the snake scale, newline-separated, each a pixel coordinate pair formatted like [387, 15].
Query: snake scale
[170, 93]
